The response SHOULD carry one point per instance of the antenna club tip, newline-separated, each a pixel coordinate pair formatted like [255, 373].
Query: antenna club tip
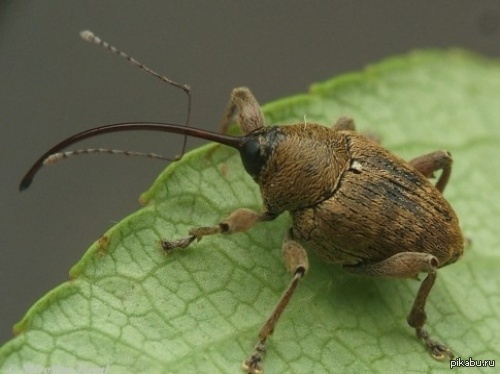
[87, 35]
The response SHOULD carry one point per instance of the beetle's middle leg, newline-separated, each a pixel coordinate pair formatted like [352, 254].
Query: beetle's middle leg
[409, 265]
[297, 263]
[426, 164]
[431, 162]
[345, 123]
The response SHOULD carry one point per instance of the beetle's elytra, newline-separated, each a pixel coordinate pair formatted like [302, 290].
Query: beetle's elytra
[351, 201]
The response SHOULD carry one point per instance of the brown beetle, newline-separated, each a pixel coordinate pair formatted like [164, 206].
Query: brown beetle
[352, 202]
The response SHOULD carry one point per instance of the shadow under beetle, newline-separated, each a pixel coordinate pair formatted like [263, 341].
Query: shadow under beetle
[351, 201]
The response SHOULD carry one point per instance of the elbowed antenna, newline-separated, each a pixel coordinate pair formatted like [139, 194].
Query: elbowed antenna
[90, 37]
[231, 141]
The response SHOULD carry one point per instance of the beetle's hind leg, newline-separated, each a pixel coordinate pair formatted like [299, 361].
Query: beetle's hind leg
[431, 162]
[409, 265]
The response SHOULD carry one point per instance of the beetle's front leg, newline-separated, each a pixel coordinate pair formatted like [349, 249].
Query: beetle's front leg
[409, 265]
[297, 263]
[244, 105]
[240, 220]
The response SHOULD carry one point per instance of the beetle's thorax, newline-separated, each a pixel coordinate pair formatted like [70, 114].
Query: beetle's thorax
[303, 165]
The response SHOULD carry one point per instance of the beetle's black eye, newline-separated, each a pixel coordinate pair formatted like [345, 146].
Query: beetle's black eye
[252, 156]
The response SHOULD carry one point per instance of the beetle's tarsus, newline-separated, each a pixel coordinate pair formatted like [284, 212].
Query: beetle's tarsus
[199, 232]
[437, 350]
[170, 245]
[253, 364]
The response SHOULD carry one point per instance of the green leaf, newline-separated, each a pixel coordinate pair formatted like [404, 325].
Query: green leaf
[128, 308]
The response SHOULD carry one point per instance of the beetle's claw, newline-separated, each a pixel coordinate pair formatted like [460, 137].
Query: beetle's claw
[440, 351]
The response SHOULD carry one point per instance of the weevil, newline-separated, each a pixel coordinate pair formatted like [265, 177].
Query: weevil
[351, 201]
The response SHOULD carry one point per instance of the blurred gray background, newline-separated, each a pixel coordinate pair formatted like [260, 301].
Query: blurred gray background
[52, 84]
